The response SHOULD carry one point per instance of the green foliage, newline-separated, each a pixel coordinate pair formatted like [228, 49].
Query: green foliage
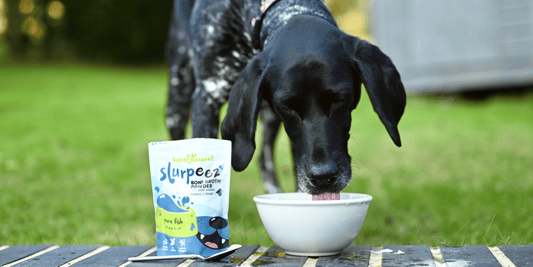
[74, 164]
[132, 31]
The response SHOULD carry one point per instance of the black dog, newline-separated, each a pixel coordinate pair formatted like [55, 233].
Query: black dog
[297, 59]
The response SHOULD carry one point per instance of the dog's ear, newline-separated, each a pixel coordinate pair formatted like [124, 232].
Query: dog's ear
[383, 84]
[244, 105]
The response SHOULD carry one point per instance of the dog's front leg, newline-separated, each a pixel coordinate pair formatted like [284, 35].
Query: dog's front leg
[271, 125]
[181, 87]
[204, 115]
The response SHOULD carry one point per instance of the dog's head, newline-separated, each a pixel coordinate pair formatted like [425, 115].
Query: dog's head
[312, 80]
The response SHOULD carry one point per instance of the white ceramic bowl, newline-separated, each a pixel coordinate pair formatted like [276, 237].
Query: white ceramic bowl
[305, 227]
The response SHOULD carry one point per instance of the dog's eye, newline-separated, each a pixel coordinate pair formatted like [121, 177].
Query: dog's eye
[334, 97]
[334, 101]
[339, 98]
[291, 107]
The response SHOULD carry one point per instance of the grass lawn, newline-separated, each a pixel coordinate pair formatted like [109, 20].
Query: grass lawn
[74, 164]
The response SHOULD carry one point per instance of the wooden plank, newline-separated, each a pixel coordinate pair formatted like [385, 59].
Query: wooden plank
[162, 263]
[258, 253]
[408, 256]
[376, 255]
[58, 256]
[113, 256]
[351, 256]
[50, 255]
[519, 255]
[437, 256]
[500, 256]
[234, 259]
[275, 256]
[311, 262]
[85, 256]
[469, 256]
[18, 252]
[186, 263]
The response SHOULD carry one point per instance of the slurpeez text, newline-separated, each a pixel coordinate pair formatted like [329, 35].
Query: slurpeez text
[172, 173]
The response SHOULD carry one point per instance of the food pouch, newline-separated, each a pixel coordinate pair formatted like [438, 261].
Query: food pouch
[190, 183]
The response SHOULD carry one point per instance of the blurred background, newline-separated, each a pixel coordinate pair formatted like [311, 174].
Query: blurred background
[439, 46]
[119, 31]
[83, 88]
[129, 32]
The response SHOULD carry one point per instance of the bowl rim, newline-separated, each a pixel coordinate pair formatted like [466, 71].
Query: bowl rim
[262, 199]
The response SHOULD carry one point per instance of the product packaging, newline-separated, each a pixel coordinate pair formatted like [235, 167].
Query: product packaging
[190, 184]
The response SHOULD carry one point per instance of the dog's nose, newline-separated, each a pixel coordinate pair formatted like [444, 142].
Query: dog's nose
[323, 175]
[322, 182]
[218, 223]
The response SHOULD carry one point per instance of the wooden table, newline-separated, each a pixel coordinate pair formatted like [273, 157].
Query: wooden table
[102, 256]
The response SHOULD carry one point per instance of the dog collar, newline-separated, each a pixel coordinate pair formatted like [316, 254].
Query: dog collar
[257, 22]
